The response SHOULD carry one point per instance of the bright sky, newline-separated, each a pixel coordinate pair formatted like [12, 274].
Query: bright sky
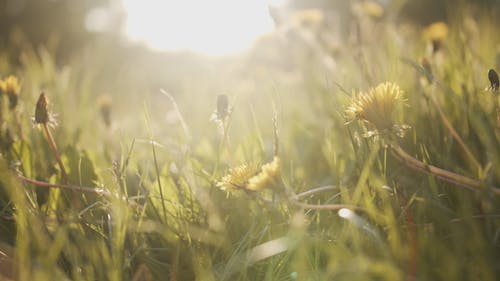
[213, 27]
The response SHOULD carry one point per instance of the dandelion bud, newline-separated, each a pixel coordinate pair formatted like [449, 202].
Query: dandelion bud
[222, 107]
[494, 82]
[10, 86]
[42, 115]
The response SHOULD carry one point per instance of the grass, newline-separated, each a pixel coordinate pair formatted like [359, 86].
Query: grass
[139, 198]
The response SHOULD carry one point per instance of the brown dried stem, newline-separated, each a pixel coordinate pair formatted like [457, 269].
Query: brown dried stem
[76, 188]
[445, 175]
[85, 189]
[454, 133]
[53, 146]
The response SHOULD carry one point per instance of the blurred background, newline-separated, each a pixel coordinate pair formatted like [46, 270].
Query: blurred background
[217, 27]
[252, 49]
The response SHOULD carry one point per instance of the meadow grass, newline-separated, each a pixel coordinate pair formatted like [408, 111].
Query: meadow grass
[311, 191]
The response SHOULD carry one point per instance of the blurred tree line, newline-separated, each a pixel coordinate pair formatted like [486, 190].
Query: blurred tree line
[61, 24]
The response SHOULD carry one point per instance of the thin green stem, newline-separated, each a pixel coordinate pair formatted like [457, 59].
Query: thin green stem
[155, 160]
[157, 169]
[224, 143]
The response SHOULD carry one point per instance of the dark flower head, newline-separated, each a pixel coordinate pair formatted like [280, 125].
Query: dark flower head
[42, 114]
[494, 82]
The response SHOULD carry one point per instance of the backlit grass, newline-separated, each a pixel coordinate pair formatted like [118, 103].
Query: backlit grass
[309, 169]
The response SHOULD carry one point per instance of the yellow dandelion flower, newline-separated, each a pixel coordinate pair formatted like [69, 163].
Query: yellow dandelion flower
[11, 87]
[252, 177]
[237, 178]
[377, 106]
[436, 33]
[269, 176]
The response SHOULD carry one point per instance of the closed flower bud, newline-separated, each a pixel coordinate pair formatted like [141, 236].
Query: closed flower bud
[494, 82]
[42, 114]
[41, 110]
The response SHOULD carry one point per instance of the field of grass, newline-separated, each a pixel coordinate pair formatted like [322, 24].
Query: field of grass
[374, 156]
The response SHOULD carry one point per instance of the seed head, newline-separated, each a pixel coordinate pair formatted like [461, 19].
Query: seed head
[11, 87]
[377, 106]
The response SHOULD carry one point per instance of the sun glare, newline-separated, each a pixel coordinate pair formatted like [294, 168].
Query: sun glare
[215, 27]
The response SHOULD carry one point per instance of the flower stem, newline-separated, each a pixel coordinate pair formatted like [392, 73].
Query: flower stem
[65, 186]
[76, 188]
[53, 146]
[453, 132]
[445, 175]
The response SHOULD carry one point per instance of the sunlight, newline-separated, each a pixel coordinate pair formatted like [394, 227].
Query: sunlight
[216, 27]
